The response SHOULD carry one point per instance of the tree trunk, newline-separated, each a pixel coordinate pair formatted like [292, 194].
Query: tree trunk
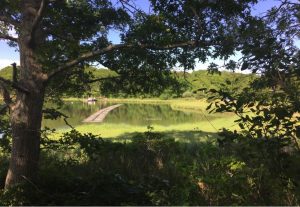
[26, 120]
[26, 116]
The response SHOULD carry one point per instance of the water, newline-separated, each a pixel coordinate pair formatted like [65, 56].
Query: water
[132, 114]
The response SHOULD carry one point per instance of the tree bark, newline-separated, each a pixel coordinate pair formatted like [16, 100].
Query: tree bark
[26, 118]
[26, 111]
[26, 121]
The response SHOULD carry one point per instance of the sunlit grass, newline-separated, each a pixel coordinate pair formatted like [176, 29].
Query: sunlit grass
[181, 101]
[189, 103]
[195, 131]
[109, 130]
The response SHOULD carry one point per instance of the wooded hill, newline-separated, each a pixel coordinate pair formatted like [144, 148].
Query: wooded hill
[6, 72]
[189, 84]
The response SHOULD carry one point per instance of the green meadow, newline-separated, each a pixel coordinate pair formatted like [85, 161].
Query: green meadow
[195, 122]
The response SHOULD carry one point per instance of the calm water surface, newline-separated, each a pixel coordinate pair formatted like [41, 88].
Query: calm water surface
[132, 114]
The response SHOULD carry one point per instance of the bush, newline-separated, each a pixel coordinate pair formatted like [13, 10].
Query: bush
[155, 170]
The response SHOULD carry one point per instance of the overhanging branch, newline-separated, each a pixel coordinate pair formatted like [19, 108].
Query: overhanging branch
[8, 37]
[84, 57]
[92, 54]
[190, 43]
[8, 20]
[276, 9]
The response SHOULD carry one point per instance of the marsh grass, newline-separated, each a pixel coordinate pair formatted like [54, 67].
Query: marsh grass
[121, 130]
[110, 130]
[181, 103]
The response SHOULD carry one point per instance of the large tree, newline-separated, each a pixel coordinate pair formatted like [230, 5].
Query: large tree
[58, 38]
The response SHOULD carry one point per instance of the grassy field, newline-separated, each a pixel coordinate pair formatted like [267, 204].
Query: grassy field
[183, 132]
[121, 130]
[186, 132]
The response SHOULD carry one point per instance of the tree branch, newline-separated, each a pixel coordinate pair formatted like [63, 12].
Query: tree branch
[8, 37]
[8, 20]
[14, 85]
[89, 55]
[198, 20]
[15, 73]
[276, 9]
[190, 43]
[127, 5]
[37, 19]
[84, 57]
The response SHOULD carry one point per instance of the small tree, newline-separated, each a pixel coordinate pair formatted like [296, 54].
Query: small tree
[269, 108]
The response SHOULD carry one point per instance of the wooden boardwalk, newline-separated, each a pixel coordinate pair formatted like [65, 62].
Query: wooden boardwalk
[101, 114]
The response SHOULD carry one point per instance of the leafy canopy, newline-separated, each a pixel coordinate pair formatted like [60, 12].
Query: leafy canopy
[175, 32]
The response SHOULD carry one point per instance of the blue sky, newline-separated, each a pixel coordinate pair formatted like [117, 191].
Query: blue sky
[9, 55]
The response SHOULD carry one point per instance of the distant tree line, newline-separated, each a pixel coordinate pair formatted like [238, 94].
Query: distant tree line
[171, 84]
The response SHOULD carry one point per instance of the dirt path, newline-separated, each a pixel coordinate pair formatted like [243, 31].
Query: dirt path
[101, 114]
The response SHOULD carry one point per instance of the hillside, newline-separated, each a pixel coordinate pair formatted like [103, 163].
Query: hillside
[190, 82]
[6, 72]
[97, 73]
[202, 78]
[234, 82]
[180, 85]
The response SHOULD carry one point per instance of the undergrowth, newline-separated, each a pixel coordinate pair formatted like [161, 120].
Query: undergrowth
[83, 169]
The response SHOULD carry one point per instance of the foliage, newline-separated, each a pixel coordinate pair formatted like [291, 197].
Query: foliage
[143, 85]
[257, 165]
[6, 72]
[5, 132]
[168, 86]
[263, 119]
[151, 43]
[83, 169]
[269, 107]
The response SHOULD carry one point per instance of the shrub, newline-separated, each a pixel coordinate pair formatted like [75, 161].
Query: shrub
[151, 169]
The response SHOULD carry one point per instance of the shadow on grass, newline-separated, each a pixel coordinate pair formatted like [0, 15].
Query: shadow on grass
[188, 136]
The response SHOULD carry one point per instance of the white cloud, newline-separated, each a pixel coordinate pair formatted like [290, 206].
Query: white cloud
[7, 62]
